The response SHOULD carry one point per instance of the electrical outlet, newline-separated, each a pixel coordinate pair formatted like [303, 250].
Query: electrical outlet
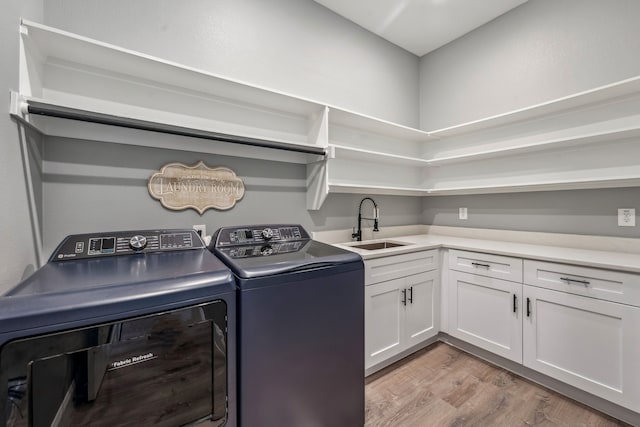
[462, 213]
[201, 230]
[627, 217]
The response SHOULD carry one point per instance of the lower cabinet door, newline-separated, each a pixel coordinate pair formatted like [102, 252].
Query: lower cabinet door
[384, 320]
[486, 312]
[422, 316]
[589, 343]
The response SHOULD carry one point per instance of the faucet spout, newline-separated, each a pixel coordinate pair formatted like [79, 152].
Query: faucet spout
[376, 214]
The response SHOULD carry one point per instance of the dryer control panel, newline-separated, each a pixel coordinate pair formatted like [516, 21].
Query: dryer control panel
[79, 246]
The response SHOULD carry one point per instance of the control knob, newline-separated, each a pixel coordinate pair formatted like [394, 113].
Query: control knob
[267, 233]
[138, 242]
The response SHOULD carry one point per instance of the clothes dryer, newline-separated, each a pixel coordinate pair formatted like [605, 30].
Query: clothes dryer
[121, 329]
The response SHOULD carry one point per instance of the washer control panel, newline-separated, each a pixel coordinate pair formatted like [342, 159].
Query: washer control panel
[95, 245]
[260, 234]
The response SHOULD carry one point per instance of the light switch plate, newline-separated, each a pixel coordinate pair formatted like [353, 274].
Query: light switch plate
[462, 213]
[627, 217]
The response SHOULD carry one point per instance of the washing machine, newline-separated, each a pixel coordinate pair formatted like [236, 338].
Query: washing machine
[128, 328]
[300, 327]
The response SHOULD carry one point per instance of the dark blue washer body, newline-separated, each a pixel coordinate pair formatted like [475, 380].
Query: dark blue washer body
[300, 330]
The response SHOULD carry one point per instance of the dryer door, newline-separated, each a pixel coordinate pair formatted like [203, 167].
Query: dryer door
[165, 369]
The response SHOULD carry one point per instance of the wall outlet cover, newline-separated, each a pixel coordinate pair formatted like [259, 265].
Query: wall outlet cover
[627, 217]
[462, 213]
[201, 230]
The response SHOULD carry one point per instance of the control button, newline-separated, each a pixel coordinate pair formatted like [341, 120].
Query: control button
[267, 233]
[79, 247]
[95, 246]
[108, 245]
[138, 242]
[266, 250]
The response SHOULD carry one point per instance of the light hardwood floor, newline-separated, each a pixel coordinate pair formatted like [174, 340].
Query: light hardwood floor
[444, 386]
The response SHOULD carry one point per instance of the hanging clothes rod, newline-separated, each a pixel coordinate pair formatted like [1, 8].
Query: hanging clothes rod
[44, 109]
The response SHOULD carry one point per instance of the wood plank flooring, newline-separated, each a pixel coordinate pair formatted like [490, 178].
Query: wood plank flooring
[444, 386]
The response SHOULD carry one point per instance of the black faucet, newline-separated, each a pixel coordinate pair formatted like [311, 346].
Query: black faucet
[358, 234]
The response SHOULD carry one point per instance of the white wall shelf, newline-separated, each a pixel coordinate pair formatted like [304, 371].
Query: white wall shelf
[585, 140]
[64, 70]
[377, 189]
[344, 152]
[603, 134]
[581, 184]
[596, 165]
[350, 119]
[579, 100]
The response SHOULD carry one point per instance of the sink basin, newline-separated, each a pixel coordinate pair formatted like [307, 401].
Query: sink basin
[378, 245]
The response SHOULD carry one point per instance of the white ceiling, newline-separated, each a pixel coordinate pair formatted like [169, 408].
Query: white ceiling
[420, 26]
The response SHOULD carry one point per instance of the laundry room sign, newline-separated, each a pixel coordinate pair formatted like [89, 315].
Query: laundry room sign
[178, 187]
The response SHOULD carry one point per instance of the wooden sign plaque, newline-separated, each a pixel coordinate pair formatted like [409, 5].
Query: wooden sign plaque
[198, 187]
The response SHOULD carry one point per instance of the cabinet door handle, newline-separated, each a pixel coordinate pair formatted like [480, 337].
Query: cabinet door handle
[569, 280]
[477, 264]
[411, 295]
[404, 297]
[515, 303]
[528, 307]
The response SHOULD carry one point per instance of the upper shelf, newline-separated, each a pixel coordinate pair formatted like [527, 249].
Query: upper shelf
[93, 90]
[350, 119]
[628, 127]
[577, 100]
[344, 152]
[93, 86]
[72, 50]
[69, 71]
[74, 71]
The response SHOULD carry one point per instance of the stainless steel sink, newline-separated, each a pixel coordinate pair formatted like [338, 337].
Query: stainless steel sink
[378, 245]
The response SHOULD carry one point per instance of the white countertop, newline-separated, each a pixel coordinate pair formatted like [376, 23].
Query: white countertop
[608, 259]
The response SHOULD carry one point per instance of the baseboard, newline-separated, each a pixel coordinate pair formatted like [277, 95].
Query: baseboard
[408, 352]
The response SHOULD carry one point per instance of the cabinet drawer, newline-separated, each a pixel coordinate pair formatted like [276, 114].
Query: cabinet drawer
[392, 267]
[607, 285]
[497, 266]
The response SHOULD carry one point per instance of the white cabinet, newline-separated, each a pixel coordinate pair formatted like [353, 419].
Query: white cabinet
[607, 285]
[575, 324]
[485, 294]
[384, 325]
[387, 268]
[402, 310]
[497, 266]
[486, 312]
[420, 309]
[589, 343]
[581, 327]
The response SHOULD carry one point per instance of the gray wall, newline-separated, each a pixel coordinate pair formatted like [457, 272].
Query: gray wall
[295, 46]
[292, 46]
[542, 50]
[91, 186]
[574, 212]
[17, 249]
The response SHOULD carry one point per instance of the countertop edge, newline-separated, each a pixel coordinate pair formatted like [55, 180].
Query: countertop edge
[609, 260]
